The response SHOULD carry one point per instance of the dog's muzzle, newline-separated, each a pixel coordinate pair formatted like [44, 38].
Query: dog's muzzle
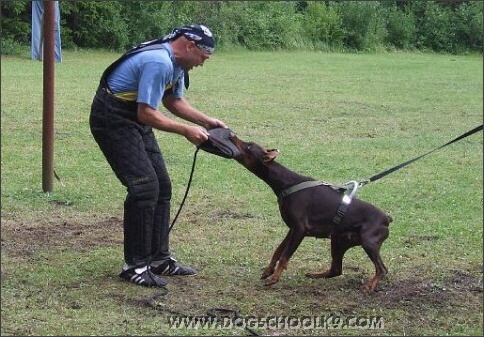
[219, 143]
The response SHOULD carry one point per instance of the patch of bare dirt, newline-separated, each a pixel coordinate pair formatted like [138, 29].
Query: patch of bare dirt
[22, 240]
[227, 214]
[459, 287]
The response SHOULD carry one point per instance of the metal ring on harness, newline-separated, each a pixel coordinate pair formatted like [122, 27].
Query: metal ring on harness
[355, 187]
[347, 197]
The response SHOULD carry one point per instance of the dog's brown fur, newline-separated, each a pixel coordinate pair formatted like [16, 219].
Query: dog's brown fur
[310, 212]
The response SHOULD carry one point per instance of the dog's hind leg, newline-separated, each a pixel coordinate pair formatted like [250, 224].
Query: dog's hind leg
[269, 270]
[294, 239]
[371, 244]
[340, 243]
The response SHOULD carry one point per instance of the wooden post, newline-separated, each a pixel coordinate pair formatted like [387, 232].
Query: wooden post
[48, 25]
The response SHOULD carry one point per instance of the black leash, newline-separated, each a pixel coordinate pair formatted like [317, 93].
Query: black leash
[397, 167]
[218, 143]
[186, 191]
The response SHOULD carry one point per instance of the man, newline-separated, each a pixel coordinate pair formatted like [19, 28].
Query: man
[124, 112]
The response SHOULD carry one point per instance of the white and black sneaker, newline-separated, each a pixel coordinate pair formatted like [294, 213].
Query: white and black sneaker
[170, 267]
[142, 276]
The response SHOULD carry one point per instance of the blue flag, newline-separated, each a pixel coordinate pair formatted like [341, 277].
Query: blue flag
[37, 38]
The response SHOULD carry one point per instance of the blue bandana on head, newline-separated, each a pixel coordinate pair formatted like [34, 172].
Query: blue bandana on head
[200, 34]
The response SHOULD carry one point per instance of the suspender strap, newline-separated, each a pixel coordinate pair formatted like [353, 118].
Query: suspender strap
[155, 44]
[150, 45]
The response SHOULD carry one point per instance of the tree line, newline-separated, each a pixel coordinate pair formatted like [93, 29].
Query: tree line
[439, 26]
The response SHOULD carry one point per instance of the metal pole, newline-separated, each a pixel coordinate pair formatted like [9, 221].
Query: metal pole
[48, 26]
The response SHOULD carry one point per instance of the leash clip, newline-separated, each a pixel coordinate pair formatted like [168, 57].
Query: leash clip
[346, 200]
[363, 182]
[355, 187]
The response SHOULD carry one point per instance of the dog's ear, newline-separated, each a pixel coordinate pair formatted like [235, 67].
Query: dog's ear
[270, 155]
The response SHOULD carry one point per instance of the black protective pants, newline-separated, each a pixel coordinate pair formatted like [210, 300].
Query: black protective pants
[133, 153]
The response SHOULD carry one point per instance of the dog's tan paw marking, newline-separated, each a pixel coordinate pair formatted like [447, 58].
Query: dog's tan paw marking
[322, 274]
[368, 288]
[315, 274]
[266, 273]
[270, 282]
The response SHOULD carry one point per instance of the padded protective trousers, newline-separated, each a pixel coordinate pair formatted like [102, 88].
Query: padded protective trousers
[133, 153]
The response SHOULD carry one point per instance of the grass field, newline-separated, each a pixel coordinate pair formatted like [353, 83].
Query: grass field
[336, 117]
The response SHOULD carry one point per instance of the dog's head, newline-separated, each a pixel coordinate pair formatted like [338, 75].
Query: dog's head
[252, 153]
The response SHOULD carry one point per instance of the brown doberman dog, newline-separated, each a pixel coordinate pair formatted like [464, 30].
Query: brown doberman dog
[312, 211]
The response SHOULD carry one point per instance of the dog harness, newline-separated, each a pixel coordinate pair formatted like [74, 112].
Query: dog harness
[349, 190]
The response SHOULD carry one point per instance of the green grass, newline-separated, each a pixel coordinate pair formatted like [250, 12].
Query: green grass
[336, 117]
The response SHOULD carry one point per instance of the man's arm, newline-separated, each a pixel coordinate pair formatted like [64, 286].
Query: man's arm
[181, 108]
[156, 119]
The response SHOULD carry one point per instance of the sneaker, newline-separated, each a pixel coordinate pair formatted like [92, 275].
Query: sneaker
[142, 276]
[171, 267]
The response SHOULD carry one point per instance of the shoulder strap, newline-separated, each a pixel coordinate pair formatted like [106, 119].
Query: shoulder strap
[149, 45]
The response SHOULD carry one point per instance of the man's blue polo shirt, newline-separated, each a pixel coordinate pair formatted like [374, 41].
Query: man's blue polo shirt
[145, 76]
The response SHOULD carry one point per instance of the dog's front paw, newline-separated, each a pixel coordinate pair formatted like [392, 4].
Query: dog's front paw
[369, 287]
[267, 272]
[315, 274]
[324, 274]
[271, 281]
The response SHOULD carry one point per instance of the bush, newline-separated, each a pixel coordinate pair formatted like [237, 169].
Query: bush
[436, 29]
[400, 26]
[11, 47]
[364, 28]
[322, 26]
[145, 20]
[260, 25]
[16, 16]
[467, 25]
[96, 24]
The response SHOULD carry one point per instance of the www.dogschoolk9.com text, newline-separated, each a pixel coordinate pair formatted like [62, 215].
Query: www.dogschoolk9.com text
[326, 322]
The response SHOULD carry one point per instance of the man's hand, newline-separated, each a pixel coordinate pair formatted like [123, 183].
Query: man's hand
[213, 123]
[196, 135]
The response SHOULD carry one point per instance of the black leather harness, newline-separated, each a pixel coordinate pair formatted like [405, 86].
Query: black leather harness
[349, 190]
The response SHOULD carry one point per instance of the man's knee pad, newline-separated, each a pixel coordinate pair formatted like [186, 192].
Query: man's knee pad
[143, 192]
[164, 190]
